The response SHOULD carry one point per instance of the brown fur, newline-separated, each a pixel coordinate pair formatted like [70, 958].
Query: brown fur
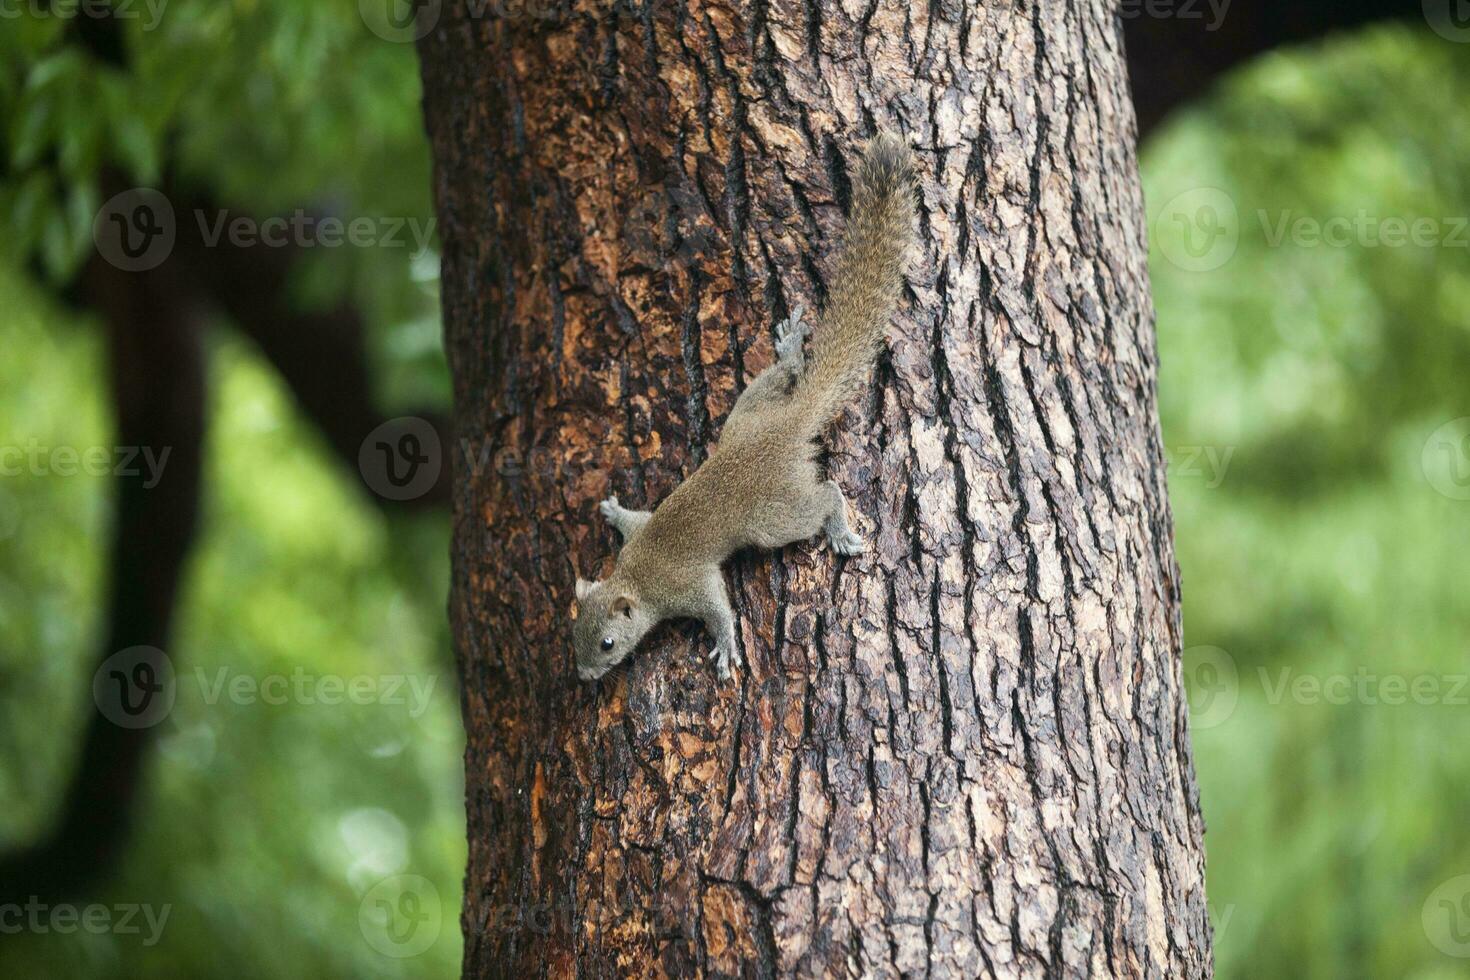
[761, 487]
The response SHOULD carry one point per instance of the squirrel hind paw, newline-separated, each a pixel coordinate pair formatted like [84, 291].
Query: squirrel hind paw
[790, 333]
[847, 543]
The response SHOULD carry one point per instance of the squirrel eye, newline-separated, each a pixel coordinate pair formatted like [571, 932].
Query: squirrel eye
[607, 643]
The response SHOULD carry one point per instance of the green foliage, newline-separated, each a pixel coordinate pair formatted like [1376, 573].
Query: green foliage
[264, 826]
[1322, 552]
[264, 106]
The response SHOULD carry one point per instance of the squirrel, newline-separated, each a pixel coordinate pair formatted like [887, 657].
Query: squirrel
[761, 487]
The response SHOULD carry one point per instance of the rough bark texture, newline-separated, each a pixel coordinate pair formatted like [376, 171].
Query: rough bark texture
[964, 753]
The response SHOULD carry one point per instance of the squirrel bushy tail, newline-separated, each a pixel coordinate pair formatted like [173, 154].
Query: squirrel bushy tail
[866, 282]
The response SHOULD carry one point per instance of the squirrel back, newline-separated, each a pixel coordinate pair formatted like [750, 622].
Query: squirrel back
[865, 285]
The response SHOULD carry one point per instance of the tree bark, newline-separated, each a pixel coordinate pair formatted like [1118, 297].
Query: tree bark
[962, 754]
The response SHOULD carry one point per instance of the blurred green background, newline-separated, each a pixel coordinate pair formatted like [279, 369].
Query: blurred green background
[1322, 510]
[263, 826]
[1313, 396]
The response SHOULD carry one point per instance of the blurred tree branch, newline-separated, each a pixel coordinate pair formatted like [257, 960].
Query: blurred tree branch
[157, 389]
[1174, 59]
[154, 322]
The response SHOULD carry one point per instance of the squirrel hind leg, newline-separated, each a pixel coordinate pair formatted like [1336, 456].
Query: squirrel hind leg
[818, 508]
[759, 404]
[840, 535]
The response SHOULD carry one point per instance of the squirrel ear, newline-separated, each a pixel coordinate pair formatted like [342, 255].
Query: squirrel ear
[584, 587]
[622, 606]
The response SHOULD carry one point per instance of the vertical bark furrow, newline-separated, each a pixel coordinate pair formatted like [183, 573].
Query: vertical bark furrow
[962, 754]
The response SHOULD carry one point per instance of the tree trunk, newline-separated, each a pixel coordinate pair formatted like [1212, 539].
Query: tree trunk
[964, 753]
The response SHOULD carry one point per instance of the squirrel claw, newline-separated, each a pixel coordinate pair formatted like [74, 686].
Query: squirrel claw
[790, 332]
[723, 656]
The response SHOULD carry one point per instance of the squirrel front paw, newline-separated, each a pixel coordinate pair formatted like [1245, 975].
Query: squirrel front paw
[724, 655]
[610, 507]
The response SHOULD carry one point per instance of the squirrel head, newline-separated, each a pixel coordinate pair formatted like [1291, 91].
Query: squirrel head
[609, 622]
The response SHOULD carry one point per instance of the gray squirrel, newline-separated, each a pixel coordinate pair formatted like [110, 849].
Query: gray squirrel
[761, 487]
